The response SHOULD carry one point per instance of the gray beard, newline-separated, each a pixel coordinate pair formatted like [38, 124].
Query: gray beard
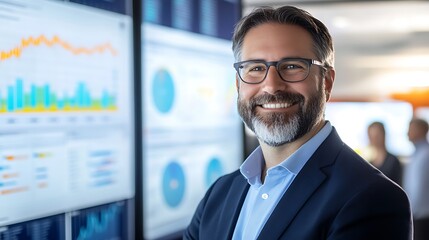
[277, 134]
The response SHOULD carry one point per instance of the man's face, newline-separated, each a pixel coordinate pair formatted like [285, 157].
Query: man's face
[414, 133]
[280, 112]
[376, 136]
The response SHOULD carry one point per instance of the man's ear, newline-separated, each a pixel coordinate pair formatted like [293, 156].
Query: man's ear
[329, 82]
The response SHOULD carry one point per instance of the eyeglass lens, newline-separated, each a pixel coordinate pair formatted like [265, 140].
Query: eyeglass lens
[289, 70]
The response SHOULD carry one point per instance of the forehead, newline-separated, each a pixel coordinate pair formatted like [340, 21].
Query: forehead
[273, 41]
[375, 129]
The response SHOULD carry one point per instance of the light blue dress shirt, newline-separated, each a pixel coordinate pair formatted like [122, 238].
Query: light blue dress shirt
[416, 180]
[261, 198]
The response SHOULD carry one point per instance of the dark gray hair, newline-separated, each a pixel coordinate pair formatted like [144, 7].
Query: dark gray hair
[323, 46]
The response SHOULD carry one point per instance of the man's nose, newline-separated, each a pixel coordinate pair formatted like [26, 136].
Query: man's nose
[273, 82]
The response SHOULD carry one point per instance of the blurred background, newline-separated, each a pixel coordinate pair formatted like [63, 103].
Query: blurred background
[380, 46]
[116, 116]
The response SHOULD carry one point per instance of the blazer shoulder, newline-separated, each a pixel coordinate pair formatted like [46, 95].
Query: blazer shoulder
[346, 168]
[228, 181]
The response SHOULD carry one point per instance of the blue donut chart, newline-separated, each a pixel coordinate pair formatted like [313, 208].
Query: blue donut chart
[173, 184]
[163, 91]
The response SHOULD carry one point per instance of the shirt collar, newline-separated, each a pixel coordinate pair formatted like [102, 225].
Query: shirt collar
[252, 167]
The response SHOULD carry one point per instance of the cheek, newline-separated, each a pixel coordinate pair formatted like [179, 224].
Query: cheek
[246, 92]
[308, 91]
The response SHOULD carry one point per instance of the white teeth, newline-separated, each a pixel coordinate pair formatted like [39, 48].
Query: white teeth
[276, 105]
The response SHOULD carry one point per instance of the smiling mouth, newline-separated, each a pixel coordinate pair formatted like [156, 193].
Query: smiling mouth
[276, 105]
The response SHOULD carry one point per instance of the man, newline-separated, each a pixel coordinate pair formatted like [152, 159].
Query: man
[302, 182]
[379, 157]
[416, 178]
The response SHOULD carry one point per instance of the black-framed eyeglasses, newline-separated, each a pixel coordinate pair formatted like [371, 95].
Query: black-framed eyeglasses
[289, 69]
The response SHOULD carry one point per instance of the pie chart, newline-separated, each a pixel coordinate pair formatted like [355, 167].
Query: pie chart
[163, 91]
[173, 184]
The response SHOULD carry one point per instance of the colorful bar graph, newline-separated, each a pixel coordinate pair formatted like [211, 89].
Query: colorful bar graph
[42, 99]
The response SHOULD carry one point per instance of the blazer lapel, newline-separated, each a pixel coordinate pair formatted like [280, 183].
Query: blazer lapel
[235, 200]
[305, 183]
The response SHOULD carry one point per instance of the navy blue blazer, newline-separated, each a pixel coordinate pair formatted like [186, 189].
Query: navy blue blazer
[336, 196]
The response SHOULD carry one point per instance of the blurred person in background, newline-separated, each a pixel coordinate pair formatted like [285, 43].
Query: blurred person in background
[416, 178]
[303, 182]
[386, 162]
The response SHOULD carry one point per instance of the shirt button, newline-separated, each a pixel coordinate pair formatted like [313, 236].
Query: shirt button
[264, 196]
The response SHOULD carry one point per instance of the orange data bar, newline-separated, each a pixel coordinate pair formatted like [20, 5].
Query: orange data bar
[54, 41]
[14, 157]
[10, 175]
[13, 190]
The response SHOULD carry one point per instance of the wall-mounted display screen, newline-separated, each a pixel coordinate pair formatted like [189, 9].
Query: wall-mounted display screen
[66, 111]
[192, 133]
[351, 119]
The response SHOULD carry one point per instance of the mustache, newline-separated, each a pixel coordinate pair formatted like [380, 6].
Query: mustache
[279, 97]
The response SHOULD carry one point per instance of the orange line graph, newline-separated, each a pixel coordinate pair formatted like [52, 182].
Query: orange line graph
[54, 41]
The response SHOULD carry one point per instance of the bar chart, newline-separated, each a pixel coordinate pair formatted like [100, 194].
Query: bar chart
[44, 99]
